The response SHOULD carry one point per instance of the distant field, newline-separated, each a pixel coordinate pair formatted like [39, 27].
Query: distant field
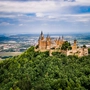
[9, 53]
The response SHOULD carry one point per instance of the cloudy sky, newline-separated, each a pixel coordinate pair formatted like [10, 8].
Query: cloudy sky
[49, 16]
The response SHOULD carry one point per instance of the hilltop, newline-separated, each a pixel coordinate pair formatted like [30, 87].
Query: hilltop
[39, 71]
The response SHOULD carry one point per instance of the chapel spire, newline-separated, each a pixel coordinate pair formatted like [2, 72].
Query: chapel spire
[41, 33]
[41, 36]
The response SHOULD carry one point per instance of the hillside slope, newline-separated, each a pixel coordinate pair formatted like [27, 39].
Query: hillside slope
[39, 71]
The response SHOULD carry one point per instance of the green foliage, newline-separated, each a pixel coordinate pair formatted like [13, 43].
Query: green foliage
[56, 53]
[39, 71]
[66, 45]
[84, 46]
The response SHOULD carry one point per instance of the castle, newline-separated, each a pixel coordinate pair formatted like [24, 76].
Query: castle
[48, 44]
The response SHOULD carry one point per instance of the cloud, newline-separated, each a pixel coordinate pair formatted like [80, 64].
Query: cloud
[27, 7]
[46, 17]
[84, 18]
[5, 24]
[7, 16]
[39, 15]
[20, 24]
[43, 10]
[85, 1]
[39, 6]
[39, 0]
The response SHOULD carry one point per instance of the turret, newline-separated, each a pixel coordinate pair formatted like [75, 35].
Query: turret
[40, 40]
[59, 41]
[48, 41]
[74, 47]
[48, 38]
[75, 41]
[41, 36]
[41, 33]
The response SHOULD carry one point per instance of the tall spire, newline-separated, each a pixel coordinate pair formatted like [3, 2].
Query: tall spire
[48, 37]
[41, 36]
[41, 33]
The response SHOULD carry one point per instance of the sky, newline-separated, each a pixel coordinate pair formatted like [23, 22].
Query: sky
[49, 16]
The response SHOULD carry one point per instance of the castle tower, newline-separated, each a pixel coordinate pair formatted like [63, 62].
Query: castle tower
[74, 47]
[57, 42]
[41, 42]
[48, 37]
[75, 41]
[48, 42]
[60, 42]
[41, 36]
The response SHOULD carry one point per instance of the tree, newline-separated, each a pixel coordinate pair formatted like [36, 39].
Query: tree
[66, 45]
[39, 71]
[84, 46]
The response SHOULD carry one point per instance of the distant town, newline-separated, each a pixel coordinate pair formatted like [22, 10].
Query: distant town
[16, 43]
[12, 45]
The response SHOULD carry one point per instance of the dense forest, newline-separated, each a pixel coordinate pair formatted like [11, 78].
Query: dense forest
[39, 71]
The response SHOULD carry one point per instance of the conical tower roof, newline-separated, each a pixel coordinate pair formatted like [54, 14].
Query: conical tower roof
[41, 36]
[48, 37]
[75, 41]
[41, 33]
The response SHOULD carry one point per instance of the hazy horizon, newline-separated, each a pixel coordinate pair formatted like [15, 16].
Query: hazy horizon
[45, 33]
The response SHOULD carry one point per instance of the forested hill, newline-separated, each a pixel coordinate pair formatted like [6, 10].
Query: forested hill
[39, 71]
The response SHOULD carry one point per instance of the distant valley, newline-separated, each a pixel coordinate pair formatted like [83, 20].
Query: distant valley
[21, 42]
